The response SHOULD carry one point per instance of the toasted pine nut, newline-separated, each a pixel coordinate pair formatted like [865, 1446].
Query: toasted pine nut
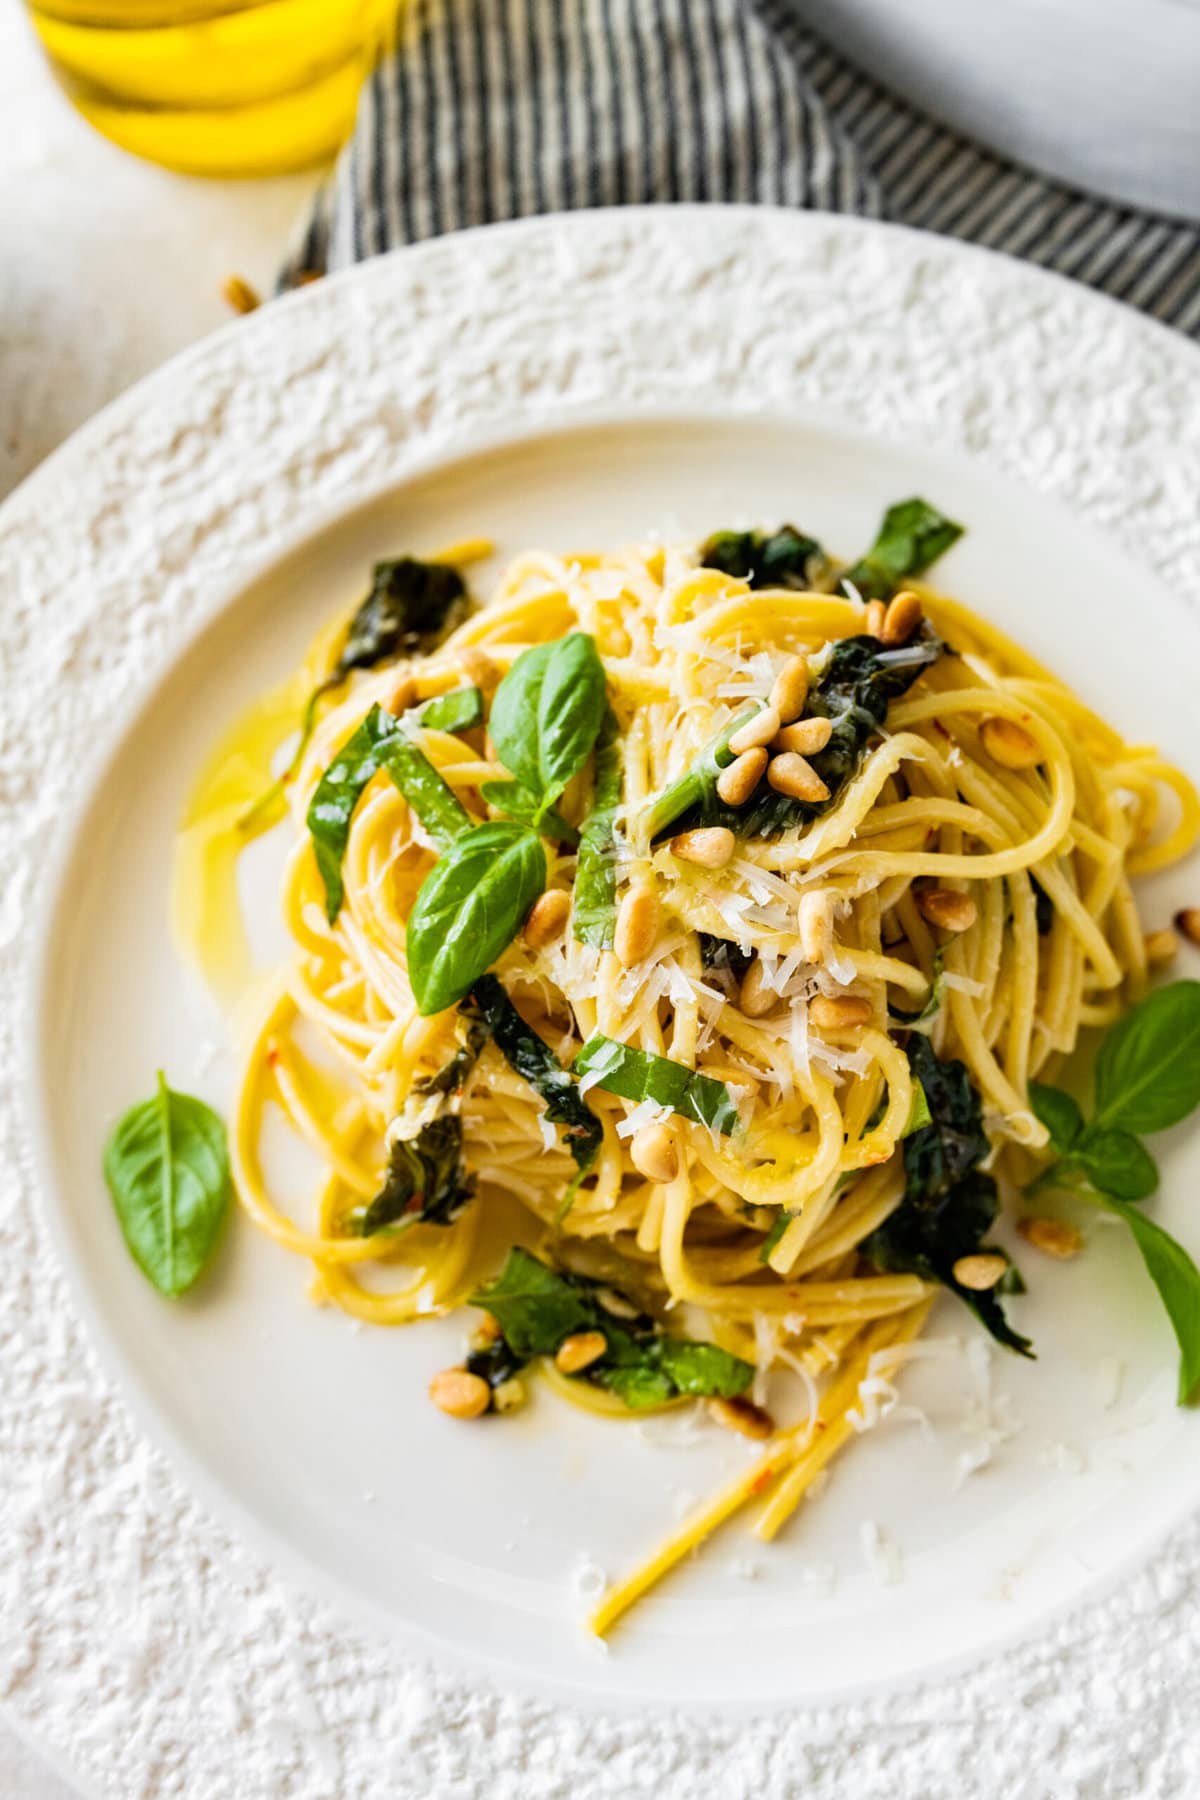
[736, 783]
[789, 690]
[789, 774]
[711, 846]
[814, 922]
[979, 1272]
[653, 1153]
[948, 908]
[1051, 1236]
[875, 615]
[238, 293]
[1161, 946]
[478, 667]
[838, 1012]
[903, 615]
[756, 999]
[459, 1393]
[486, 1332]
[1009, 744]
[758, 730]
[508, 1395]
[743, 1416]
[547, 918]
[805, 737]
[579, 1351]
[636, 927]
[1187, 920]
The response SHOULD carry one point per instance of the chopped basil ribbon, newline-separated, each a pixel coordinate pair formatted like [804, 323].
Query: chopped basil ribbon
[594, 900]
[639, 1075]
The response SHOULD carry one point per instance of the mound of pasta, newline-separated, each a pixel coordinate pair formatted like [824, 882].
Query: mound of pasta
[682, 942]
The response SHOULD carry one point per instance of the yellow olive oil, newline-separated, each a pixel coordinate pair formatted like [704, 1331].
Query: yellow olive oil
[214, 87]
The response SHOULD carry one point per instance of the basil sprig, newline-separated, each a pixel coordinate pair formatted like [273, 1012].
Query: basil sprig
[167, 1169]
[380, 742]
[1147, 1079]
[470, 907]
[537, 1307]
[546, 716]
[640, 1075]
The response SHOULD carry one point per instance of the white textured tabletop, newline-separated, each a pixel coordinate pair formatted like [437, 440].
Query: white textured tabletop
[109, 267]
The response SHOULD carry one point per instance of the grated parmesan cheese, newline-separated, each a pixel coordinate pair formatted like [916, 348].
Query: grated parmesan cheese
[883, 1557]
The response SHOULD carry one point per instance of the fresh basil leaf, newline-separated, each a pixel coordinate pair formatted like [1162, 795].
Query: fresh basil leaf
[1177, 1279]
[639, 1075]
[1115, 1162]
[546, 714]
[1058, 1112]
[511, 798]
[1148, 1069]
[594, 899]
[780, 559]
[459, 710]
[536, 1307]
[167, 1168]
[912, 536]
[378, 743]
[410, 603]
[469, 908]
[425, 1182]
[338, 792]
[949, 1204]
[534, 1061]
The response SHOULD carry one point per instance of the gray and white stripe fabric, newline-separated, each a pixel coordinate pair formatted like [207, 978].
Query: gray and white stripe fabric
[497, 109]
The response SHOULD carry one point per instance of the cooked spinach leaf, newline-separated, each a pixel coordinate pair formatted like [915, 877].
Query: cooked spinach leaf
[410, 603]
[778, 559]
[949, 1204]
[639, 1075]
[469, 908]
[537, 1307]
[722, 955]
[912, 537]
[857, 680]
[167, 1169]
[594, 901]
[534, 1061]
[472, 1033]
[425, 1182]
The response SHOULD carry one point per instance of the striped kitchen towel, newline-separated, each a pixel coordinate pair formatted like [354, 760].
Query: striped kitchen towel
[496, 109]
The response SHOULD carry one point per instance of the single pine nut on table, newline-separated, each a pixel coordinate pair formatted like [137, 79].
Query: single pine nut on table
[901, 619]
[737, 782]
[580, 1351]
[459, 1393]
[947, 908]
[636, 927]
[653, 1153]
[758, 730]
[789, 774]
[979, 1273]
[839, 1012]
[710, 846]
[789, 691]
[1053, 1237]
[806, 736]
[1008, 743]
[547, 918]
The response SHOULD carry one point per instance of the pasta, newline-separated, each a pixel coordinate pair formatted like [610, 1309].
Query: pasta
[771, 991]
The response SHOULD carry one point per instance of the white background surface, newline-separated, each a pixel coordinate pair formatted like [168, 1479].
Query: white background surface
[109, 266]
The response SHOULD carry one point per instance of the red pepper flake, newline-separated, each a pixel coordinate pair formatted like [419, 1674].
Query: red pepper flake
[761, 1480]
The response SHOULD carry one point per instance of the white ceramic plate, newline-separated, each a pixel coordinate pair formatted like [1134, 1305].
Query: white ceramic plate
[729, 352]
